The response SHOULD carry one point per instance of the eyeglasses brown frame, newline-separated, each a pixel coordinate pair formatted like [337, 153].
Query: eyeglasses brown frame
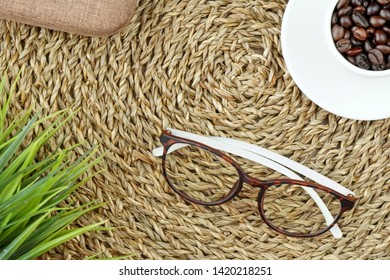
[167, 140]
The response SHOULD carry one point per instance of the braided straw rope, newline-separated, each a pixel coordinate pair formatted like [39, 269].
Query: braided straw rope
[208, 67]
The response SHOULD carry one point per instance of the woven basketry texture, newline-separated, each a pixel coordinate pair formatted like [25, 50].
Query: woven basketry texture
[208, 67]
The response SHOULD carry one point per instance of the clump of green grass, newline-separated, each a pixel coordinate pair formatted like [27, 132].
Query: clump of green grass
[31, 190]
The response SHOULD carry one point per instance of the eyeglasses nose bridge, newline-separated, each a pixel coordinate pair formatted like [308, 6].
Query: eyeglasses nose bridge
[254, 182]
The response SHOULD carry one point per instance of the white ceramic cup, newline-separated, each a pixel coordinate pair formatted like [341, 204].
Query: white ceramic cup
[338, 55]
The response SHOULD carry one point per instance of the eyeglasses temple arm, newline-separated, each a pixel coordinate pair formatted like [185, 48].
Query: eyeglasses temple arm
[297, 167]
[240, 146]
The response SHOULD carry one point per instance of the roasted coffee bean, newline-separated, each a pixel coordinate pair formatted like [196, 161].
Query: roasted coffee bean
[362, 61]
[337, 32]
[343, 45]
[335, 18]
[380, 37]
[370, 31]
[346, 22]
[360, 10]
[355, 42]
[373, 9]
[387, 30]
[342, 3]
[351, 59]
[360, 34]
[385, 49]
[360, 20]
[354, 51]
[383, 2]
[377, 60]
[385, 13]
[368, 46]
[344, 11]
[357, 2]
[377, 21]
[378, 67]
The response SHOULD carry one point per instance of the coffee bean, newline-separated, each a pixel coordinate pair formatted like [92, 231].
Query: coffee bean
[344, 11]
[377, 21]
[388, 65]
[385, 13]
[366, 3]
[386, 29]
[360, 10]
[383, 2]
[360, 20]
[357, 2]
[360, 34]
[351, 59]
[342, 3]
[380, 37]
[347, 34]
[346, 22]
[368, 46]
[337, 32]
[343, 45]
[378, 67]
[362, 61]
[377, 60]
[370, 31]
[355, 42]
[335, 18]
[354, 51]
[373, 9]
[385, 49]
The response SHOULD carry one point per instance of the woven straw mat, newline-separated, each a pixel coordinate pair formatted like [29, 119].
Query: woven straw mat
[207, 67]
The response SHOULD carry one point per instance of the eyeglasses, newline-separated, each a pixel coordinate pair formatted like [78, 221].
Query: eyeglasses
[199, 169]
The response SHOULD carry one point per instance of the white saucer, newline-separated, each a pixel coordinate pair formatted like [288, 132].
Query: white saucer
[320, 74]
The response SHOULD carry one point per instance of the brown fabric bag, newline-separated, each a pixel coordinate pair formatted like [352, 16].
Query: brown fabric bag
[86, 17]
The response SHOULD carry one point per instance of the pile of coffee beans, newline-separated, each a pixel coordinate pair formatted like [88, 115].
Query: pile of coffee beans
[361, 32]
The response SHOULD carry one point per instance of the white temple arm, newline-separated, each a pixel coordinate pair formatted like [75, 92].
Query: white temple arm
[301, 169]
[266, 157]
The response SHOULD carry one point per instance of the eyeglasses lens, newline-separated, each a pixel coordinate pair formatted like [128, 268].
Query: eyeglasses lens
[200, 174]
[291, 208]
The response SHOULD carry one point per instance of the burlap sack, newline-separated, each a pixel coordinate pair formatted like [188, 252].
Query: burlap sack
[88, 17]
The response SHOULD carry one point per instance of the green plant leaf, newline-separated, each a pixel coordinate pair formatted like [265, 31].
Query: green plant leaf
[52, 225]
[10, 151]
[62, 237]
[31, 190]
[14, 245]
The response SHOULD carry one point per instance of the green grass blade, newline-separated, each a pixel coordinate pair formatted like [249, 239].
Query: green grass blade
[54, 224]
[7, 100]
[14, 245]
[63, 236]
[16, 125]
[10, 151]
